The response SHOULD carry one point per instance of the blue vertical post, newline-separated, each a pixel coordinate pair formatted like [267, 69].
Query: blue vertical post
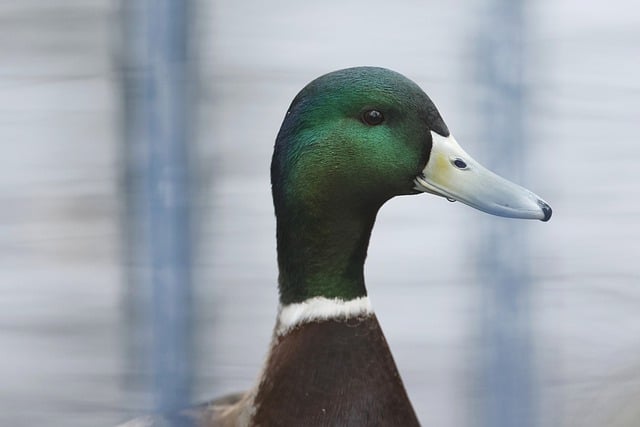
[507, 381]
[165, 91]
[156, 87]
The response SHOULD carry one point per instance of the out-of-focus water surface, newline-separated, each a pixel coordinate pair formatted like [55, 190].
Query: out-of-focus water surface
[62, 325]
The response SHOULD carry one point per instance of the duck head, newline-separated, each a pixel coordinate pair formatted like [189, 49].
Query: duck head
[354, 138]
[363, 135]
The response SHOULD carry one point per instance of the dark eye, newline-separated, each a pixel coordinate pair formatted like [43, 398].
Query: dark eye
[373, 117]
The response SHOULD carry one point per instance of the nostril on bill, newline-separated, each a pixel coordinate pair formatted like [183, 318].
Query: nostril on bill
[459, 163]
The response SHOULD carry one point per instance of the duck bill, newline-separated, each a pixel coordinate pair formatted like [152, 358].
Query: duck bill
[454, 174]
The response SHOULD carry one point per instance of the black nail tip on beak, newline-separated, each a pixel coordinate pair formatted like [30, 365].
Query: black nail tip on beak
[546, 209]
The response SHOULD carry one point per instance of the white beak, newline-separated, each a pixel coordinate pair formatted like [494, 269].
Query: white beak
[452, 173]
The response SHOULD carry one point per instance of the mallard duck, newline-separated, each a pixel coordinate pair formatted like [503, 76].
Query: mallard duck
[350, 141]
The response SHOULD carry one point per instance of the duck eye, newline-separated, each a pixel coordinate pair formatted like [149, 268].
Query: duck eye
[459, 163]
[372, 117]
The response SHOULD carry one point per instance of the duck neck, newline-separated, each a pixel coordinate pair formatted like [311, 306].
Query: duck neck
[322, 253]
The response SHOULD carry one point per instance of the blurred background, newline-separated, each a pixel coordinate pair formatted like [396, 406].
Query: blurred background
[75, 348]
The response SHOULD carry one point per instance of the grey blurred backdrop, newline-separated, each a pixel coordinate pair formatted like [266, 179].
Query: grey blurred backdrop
[65, 360]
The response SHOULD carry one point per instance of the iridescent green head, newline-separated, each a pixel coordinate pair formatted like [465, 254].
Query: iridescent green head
[359, 135]
[350, 141]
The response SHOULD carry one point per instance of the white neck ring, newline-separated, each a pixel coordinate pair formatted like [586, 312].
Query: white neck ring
[317, 309]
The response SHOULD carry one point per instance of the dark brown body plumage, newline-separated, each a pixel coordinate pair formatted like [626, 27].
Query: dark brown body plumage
[333, 373]
[325, 373]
